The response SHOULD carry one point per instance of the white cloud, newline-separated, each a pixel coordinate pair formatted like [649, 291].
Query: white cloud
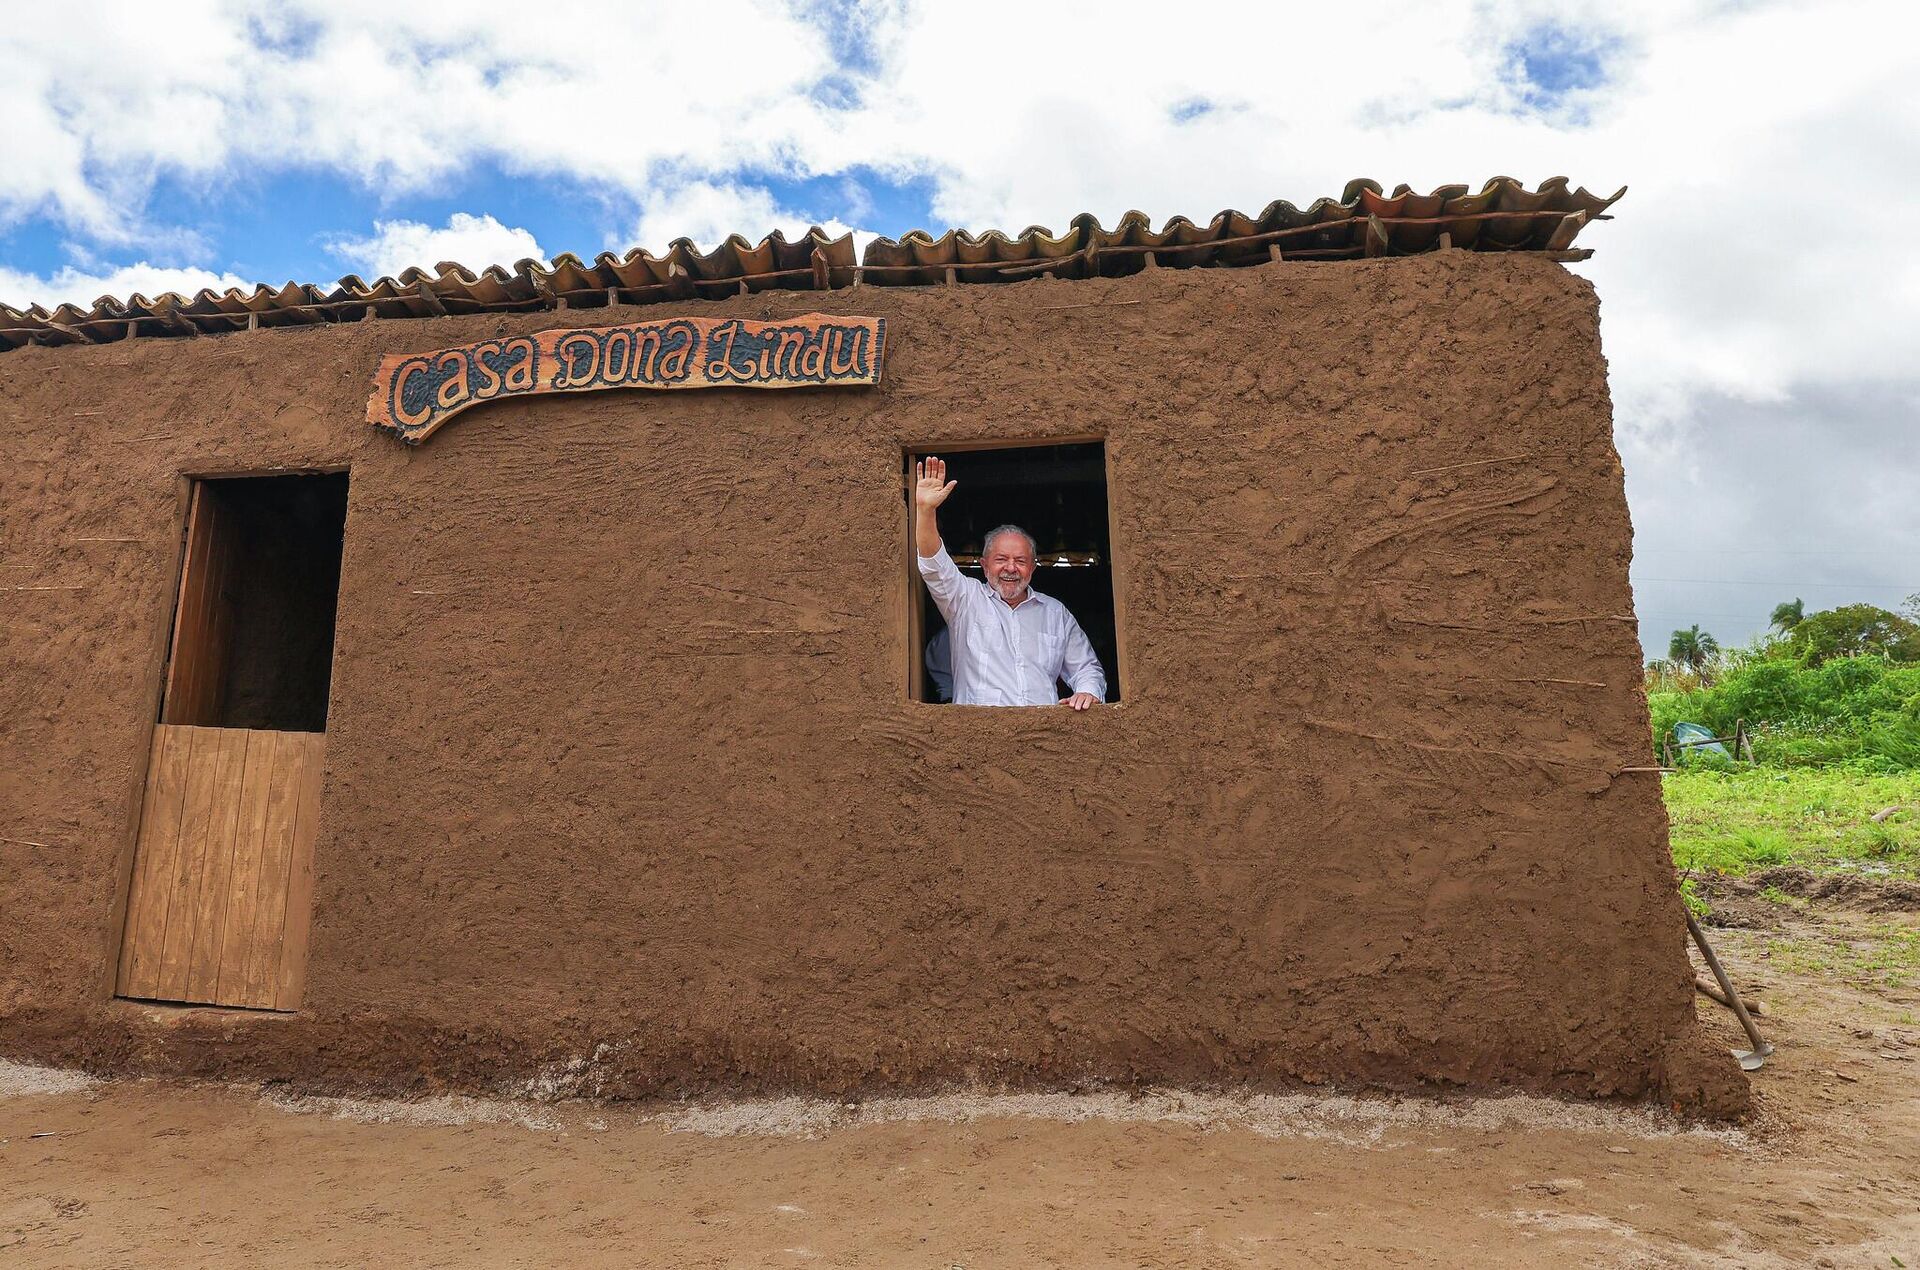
[1758, 296]
[93, 114]
[707, 212]
[82, 287]
[468, 240]
[1757, 277]
[397, 96]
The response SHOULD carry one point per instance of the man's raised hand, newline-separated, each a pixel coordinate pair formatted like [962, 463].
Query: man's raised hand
[930, 484]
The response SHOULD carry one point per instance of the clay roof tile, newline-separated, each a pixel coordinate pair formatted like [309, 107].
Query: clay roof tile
[1364, 221]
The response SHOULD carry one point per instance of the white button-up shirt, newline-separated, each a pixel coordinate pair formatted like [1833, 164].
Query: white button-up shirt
[1009, 655]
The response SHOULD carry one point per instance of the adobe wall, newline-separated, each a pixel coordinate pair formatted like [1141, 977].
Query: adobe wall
[622, 774]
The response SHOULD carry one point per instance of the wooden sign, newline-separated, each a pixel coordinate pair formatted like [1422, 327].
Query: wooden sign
[414, 393]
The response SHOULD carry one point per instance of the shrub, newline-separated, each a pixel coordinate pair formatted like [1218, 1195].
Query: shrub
[1852, 630]
[1862, 711]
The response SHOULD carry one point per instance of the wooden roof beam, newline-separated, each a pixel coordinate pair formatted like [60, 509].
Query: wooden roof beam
[425, 295]
[1374, 236]
[679, 281]
[1563, 233]
[177, 321]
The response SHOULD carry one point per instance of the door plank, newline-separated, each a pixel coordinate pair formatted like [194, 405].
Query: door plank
[259, 982]
[154, 861]
[140, 884]
[192, 566]
[169, 950]
[203, 616]
[216, 876]
[243, 896]
[214, 750]
[299, 920]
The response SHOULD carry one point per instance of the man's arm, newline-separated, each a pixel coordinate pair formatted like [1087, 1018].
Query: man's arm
[1080, 667]
[930, 489]
[945, 582]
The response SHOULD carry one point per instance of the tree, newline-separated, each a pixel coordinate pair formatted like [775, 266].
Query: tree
[1851, 630]
[1692, 648]
[1787, 616]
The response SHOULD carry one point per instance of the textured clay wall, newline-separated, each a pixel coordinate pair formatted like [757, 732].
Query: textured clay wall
[624, 793]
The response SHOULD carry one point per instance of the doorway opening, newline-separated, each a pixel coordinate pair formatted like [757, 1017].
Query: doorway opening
[1057, 493]
[220, 901]
[253, 633]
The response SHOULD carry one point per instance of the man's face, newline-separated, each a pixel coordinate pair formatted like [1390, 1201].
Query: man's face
[1008, 566]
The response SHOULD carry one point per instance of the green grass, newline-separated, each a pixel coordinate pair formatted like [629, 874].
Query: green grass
[1740, 821]
[1863, 712]
[1885, 955]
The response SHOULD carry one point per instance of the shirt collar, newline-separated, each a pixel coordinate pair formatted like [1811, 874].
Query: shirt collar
[1032, 597]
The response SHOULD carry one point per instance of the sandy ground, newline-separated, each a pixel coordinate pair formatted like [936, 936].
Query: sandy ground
[154, 1174]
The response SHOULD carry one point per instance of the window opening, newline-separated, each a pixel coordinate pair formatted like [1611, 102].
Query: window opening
[253, 629]
[1057, 493]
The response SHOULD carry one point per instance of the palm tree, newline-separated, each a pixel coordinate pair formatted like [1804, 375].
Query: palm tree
[1692, 648]
[1787, 616]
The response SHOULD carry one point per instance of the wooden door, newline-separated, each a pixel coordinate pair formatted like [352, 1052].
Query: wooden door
[223, 873]
[202, 616]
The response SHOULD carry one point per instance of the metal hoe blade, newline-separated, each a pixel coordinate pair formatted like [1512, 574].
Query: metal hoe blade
[1750, 1060]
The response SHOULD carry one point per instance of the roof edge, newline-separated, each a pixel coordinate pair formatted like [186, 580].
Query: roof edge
[1365, 222]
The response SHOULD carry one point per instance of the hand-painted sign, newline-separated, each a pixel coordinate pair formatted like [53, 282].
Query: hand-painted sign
[414, 393]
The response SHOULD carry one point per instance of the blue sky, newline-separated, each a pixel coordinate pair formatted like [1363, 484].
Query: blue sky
[1761, 364]
[274, 225]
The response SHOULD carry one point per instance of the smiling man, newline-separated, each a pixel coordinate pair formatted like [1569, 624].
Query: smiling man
[1010, 643]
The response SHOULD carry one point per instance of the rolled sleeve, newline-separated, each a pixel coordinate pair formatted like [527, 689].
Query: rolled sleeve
[944, 580]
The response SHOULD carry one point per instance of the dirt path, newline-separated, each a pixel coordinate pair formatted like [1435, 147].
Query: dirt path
[149, 1174]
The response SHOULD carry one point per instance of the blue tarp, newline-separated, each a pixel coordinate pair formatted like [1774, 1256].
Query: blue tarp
[1690, 739]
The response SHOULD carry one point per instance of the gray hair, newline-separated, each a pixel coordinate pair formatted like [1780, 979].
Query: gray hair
[986, 547]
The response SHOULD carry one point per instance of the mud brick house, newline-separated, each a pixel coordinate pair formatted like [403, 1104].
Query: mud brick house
[473, 679]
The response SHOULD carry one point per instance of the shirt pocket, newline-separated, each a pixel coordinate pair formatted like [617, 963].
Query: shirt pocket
[1053, 651]
[986, 642]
